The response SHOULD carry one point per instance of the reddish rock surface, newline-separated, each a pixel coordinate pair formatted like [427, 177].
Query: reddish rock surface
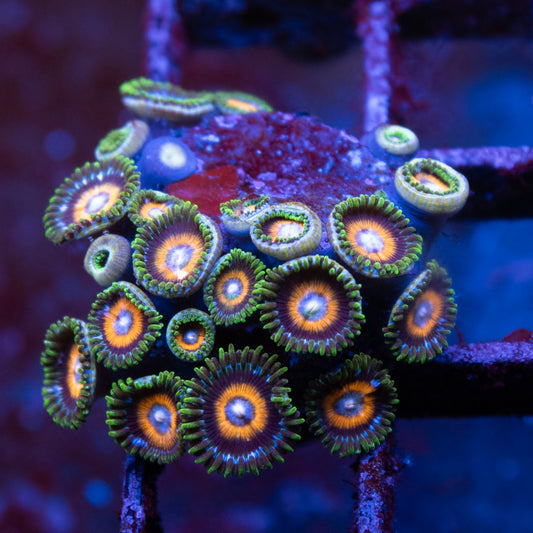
[280, 155]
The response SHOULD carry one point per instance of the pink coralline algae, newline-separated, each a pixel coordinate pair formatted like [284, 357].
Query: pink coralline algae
[285, 157]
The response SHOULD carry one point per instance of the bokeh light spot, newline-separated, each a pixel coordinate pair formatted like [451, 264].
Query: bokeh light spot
[97, 492]
[59, 144]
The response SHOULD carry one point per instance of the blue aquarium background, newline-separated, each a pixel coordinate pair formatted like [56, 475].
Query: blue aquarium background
[61, 65]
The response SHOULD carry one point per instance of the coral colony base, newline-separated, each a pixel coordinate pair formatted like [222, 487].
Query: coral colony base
[264, 275]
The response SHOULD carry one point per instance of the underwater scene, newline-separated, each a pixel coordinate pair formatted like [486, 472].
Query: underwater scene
[267, 266]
